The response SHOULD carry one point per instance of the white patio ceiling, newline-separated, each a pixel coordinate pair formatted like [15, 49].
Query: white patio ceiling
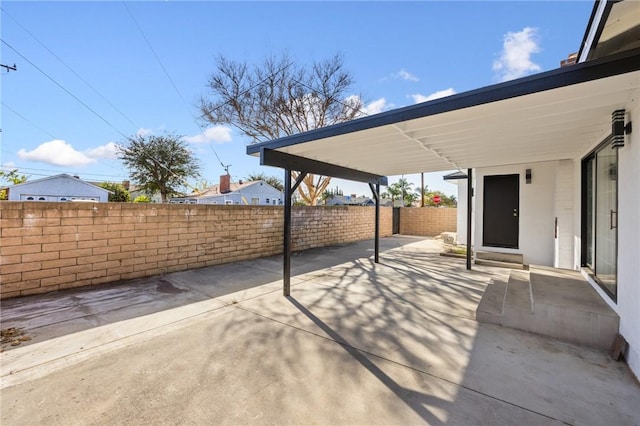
[551, 124]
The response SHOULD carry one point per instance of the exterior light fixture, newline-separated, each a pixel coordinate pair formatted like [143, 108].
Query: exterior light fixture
[527, 176]
[618, 128]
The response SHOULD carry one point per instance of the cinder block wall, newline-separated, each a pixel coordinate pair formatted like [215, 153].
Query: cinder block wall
[51, 246]
[427, 221]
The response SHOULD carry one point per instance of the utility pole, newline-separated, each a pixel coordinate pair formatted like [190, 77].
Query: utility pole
[9, 67]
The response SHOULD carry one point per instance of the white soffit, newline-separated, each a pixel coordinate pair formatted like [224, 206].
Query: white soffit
[550, 125]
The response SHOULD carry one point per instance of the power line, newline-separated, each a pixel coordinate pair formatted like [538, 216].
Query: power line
[27, 120]
[69, 68]
[55, 171]
[166, 73]
[63, 88]
[175, 87]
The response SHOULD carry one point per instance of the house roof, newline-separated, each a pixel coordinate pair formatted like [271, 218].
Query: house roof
[214, 190]
[455, 176]
[56, 177]
[614, 26]
[548, 116]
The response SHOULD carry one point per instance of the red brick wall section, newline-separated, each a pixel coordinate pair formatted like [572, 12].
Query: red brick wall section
[51, 246]
[427, 221]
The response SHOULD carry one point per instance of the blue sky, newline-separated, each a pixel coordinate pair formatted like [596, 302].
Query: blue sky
[399, 53]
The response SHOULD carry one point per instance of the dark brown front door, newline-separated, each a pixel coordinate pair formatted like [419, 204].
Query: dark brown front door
[501, 211]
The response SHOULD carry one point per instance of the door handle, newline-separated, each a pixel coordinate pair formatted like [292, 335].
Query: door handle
[611, 225]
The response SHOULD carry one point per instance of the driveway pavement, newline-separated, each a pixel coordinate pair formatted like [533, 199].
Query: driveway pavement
[356, 343]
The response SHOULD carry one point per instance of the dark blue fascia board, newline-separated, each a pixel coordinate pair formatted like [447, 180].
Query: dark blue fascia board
[621, 63]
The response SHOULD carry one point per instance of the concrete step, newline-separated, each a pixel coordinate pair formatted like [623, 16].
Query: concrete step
[569, 309]
[500, 257]
[552, 302]
[490, 307]
[499, 264]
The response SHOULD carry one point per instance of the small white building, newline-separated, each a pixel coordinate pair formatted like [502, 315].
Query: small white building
[62, 187]
[242, 193]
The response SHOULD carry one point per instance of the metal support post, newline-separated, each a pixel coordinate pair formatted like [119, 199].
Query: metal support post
[286, 252]
[469, 211]
[376, 195]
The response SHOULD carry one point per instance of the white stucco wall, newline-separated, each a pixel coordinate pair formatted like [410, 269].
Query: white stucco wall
[537, 209]
[629, 242]
[628, 300]
[461, 219]
[564, 211]
[57, 188]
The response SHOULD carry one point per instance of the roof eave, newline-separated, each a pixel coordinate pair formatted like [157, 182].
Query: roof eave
[621, 63]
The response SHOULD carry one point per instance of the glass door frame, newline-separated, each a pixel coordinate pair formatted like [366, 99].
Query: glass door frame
[592, 268]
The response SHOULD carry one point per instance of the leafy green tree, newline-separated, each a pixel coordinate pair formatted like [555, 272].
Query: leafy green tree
[445, 200]
[11, 177]
[118, 193]
[393, 192]
[279, 98]
[159, 163]
[274, 181]
[402, 190]
[142, 199]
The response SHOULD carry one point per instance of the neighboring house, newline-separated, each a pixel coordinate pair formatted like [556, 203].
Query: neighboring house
[247, 193]
[135, 191]
[553, 159]
[349, 200]
[62, 187]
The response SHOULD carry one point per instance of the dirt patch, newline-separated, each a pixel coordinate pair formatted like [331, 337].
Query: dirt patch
[12, 336]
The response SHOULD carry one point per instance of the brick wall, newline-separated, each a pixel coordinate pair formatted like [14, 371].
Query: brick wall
[427, 221]
[50, 246]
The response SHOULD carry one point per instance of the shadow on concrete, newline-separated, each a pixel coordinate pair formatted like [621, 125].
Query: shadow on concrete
[46, 316]
[417, 401]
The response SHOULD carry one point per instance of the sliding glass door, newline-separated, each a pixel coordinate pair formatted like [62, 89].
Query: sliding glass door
[600, 216]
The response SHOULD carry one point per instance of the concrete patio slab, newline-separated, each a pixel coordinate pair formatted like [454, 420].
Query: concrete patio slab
[357, 343]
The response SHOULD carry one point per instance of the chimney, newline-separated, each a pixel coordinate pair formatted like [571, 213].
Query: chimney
[225, 184]
[125, 184]
[571, 59]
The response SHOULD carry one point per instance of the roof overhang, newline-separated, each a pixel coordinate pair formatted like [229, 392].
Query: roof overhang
[548, 116]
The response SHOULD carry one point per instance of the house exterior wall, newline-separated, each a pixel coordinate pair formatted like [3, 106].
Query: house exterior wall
[261, 191]
[564, 211]
[536, 211]
[56, 188]
[50, 246]
[629, 242]
[628, 300]
[427, 221]
[461, 217]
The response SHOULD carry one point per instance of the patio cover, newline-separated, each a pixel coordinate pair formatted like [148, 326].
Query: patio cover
[553, 115]
[548, 116]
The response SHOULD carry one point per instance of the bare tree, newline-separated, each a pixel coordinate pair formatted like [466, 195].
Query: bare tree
[279, 98]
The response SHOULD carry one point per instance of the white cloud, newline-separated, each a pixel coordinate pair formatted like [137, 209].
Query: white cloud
[515, 58]
[417, 98]
[375, 107]
[58, 153]
[8, 165]
[406, 75]
[401, 75]
[217, 134]
[144, 132]
[108, 151]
